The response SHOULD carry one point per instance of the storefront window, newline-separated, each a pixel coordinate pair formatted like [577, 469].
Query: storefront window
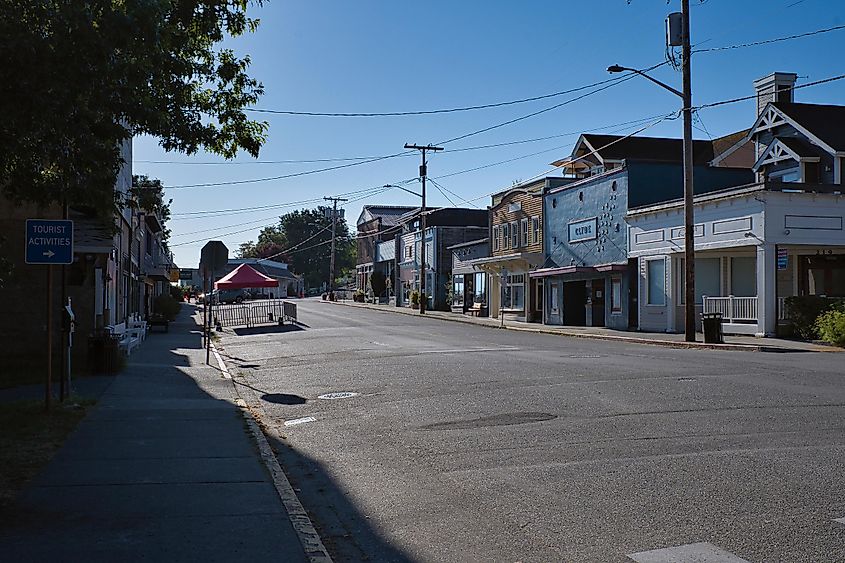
[656, 271]
[513, 297]
[458, 290]
[744, 276]
[616, 295]
[480, 287]
[708, 280]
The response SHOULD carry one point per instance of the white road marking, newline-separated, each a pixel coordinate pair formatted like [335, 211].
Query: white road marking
[221, 363]
[468, 350]
[303, 420]
[337, 395]
[693, 552]
[840, 520]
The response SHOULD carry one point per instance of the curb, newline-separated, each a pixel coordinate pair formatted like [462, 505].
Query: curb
[605, 337]
[302, 525]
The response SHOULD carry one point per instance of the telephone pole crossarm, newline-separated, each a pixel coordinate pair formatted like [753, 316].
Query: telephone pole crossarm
[421, 262]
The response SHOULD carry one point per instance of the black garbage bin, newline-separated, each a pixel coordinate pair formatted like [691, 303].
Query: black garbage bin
[711, 324]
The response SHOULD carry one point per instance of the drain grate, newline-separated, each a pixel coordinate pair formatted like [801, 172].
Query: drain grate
[337, 395]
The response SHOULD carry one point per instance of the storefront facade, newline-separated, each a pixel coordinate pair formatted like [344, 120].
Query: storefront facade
[469, 283]
[755, 246]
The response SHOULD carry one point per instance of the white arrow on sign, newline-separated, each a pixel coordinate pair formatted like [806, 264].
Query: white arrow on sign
[49, 254]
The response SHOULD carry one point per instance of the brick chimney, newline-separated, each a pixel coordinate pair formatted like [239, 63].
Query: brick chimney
[776, 87]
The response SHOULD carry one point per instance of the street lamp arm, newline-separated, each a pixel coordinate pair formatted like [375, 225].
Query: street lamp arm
[617, 68]
[403, 189]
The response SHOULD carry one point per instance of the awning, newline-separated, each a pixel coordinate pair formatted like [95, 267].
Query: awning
[245, 276]
[516, 261]
[566, 270]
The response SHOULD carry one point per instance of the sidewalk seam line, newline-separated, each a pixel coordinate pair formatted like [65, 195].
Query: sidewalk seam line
[299, 519]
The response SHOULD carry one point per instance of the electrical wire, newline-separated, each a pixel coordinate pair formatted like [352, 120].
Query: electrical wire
[769, 41]
[754, 96]
[433, 111]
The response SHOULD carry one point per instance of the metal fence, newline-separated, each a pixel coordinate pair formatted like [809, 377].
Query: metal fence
[253, 314]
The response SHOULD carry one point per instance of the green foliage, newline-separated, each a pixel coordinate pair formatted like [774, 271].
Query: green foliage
[831, 326]
[415, 298]
[803, 312]
[177, 293]
[166, 306]
[147, 194]
[378, 282]
[302, 239]
[79, 78]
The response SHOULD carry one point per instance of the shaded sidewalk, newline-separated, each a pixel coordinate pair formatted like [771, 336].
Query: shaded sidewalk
[162, 468]
[738, 343]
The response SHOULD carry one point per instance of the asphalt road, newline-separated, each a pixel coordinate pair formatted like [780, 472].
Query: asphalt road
[467, 443]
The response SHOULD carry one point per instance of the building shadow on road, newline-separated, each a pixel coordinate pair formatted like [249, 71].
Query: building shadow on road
[347, 533]
[269, 329]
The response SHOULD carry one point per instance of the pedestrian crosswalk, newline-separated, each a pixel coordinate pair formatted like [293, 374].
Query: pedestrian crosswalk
[693, 552]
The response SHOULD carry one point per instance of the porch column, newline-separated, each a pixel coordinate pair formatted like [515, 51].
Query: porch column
[766, 306]
[495, 289]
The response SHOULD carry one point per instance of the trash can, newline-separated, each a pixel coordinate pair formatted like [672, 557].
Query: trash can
[711, 324]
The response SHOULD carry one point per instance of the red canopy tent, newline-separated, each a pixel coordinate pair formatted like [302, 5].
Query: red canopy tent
[245, 276]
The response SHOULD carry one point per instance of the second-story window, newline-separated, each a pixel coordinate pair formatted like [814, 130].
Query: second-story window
[506, 237]
[514, 235]
[535, 230]
[496, 237]
[523, 232]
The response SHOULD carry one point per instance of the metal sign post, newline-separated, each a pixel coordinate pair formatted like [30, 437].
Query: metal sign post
[49, 241]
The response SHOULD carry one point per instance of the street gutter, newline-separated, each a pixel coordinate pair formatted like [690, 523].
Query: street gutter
[573, 334]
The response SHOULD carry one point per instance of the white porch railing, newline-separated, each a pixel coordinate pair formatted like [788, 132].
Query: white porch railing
[733, 309]
[781, 308]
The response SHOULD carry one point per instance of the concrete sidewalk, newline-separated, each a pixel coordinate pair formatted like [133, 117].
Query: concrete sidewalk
[737, 343]
[162, 469]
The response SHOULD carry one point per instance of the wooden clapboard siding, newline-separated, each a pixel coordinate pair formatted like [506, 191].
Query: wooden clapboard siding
[531, 205]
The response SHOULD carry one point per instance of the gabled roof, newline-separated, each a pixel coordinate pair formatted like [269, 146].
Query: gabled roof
[619, 147]
[389, 214]
[825, 122]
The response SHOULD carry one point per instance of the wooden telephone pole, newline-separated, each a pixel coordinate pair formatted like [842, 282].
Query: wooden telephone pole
[334, 201]
[421, 261]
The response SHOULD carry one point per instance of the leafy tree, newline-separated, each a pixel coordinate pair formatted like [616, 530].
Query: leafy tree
[302, 239]
[147, 194]
[378, 283]
[79, 77]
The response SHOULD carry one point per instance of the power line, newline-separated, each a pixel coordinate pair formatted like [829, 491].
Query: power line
[769, 41]
[754, 96]
[532, 98]
[432, 111]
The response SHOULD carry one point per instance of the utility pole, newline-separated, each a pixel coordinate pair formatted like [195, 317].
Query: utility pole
[689, 221]
[421, 261]
[334, 201]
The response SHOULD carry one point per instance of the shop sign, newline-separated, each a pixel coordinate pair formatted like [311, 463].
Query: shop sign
[586, 229]
[783, 259]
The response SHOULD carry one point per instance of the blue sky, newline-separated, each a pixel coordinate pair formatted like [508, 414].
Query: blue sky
[338, 56]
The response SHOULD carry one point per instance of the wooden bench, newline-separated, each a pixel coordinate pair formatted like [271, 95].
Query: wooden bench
[128, 339]
[475, 309]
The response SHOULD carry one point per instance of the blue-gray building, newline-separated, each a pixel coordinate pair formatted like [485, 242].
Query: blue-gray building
[588, 279]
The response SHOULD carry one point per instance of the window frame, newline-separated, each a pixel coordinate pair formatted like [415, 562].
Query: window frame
[535, 230]
[514, 234]
[648, 296]
[523, 232]
[495, 238]
[616, 296]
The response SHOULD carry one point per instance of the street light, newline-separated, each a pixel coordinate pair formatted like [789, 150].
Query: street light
[689, 241]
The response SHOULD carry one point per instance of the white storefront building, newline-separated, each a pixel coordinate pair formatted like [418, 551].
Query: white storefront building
[755, 245]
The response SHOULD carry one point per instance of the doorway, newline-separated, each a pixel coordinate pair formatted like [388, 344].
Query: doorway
[598, 299]
[574, 298]
[633, 294]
